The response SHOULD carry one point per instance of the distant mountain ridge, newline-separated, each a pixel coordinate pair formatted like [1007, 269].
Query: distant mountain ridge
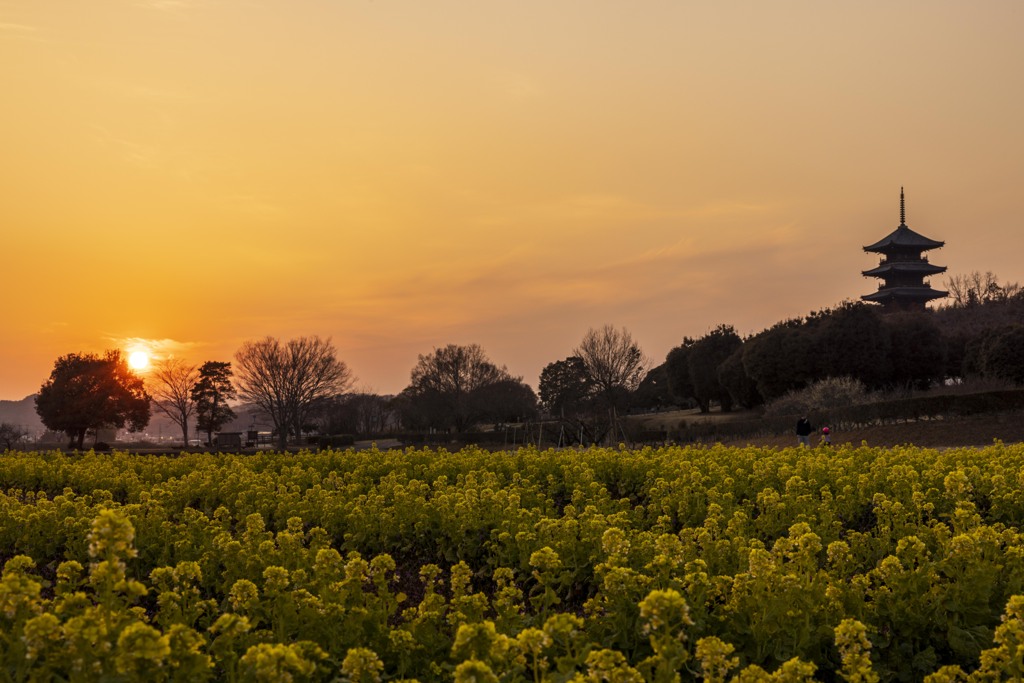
[22, 414]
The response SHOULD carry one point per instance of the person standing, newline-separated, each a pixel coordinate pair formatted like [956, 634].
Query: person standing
[803, 431]
[826, 436]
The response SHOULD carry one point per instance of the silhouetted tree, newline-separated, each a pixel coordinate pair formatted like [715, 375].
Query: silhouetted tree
[447, 387]
[734, 379]
[780, 359]
[653, 392]
[569, 394]
[88, 392]
[966, 327]
[210, 395]
[616, 364]
[566, 389]
[507, 400]
[975, 289]
[677, 371]
[703, 358]
[173, 380]
[1002, 355]
[917, 349]
[11, 435]
[852, 341]
[372, 413]
[286, 380]
[357, 413]
[955, 343]
[973, 361]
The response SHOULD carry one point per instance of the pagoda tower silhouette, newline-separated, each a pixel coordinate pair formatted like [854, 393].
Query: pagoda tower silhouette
[903, 268]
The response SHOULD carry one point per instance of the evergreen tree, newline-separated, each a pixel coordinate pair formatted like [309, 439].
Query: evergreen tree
[918, 349]
[566, 390]
[211, 394]
[1003, 354]
[677, 372]
[704, 358]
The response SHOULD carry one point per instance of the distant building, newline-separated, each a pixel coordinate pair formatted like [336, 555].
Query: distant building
[228, 440]
[903, 268]
[107, 435]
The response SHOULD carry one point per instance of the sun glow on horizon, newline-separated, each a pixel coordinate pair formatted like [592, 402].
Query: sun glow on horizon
[138, 360]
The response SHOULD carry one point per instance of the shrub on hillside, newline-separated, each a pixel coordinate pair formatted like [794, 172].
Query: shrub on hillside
[824, 395]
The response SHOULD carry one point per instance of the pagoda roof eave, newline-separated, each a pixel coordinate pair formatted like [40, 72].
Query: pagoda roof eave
[904, 237]
[916, 267]
[905, 293]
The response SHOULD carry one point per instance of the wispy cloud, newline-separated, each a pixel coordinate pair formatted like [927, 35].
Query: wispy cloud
[137, 154]
[7, 27]
[167, 5]
[158, 349]
[613, 211]
[135, 92]
[255, 207]
[159, 95]
[22, 33]
[142, 156]
[688, 266]
[517, 87]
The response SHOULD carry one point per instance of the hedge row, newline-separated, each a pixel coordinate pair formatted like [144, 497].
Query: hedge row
[942, 406]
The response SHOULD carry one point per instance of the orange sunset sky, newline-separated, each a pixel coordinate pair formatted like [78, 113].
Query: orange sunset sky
[403, 174]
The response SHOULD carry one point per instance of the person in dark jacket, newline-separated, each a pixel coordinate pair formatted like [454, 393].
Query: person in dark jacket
[803, 432]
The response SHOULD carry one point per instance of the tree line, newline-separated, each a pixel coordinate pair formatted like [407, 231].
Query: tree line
[302, 386]
[980, 333]
[86, 392]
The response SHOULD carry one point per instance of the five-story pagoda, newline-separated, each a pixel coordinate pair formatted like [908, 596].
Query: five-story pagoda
[903, 268]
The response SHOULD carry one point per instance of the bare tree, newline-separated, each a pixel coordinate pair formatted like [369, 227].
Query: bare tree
[976, 288]
[172, 391]
[286, 380]
[447, 386]
[315, 373]
[615, 363]
[612, 359]
[11, 435]
[371, 412]
[362, 412]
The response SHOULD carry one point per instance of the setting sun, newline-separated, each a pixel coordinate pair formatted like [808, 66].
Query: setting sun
[138, 360]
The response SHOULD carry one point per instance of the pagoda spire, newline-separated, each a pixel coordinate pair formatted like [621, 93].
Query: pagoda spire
[903, 210]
